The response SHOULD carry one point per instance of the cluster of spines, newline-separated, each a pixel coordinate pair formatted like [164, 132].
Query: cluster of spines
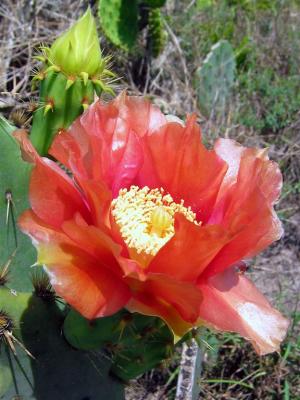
[102, 80]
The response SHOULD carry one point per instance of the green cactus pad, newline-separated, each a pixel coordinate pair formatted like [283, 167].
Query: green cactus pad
[60, 106]
[149, 343]
[58, 371]
[215, 78]
[15, 248]
[135, 343]
[90, 335]
[119, 21]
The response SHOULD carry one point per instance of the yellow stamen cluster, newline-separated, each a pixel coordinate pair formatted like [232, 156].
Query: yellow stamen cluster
[146, 218]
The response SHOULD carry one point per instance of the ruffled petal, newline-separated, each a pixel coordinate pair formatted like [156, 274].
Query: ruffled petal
[94, 293]
[104, 143]
[232, 303]
[232, 152]
[95, 242]
[190, 250]
[99, 198]
[52, 194]
[245, 204]
[84, 281]
[174, 301]
[154, 307]
[183, 166]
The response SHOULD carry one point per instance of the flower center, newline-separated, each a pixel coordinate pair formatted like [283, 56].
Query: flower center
[146, 218]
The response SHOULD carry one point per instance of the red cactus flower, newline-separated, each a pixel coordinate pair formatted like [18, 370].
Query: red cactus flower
[148, 219]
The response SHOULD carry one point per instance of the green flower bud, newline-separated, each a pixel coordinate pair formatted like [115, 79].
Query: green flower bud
[78, 51]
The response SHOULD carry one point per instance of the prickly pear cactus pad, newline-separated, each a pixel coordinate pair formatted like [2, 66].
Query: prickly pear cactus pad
[54, 370]
[123, 20]
[16, 251]
[215, 78]
[135, 343]
[119, 21]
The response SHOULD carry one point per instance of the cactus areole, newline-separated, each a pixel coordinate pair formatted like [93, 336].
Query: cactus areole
[154, 222]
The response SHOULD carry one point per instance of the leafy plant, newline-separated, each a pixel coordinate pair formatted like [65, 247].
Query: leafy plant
[268, 102]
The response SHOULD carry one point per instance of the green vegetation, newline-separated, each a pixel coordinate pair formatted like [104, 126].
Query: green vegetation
[233, 369]
[124, 21]
[269, 102]
[266, 44]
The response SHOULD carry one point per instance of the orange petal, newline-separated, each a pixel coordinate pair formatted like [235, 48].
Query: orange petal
[95, 242]
[190, 250]
[176, 302]
[183, 166]
[233, 153]
[232, 303]
[99, 198]
[154, 307]
[53, 196]
[94, 292]
[245, 204]
[84, 281]
[103, 144]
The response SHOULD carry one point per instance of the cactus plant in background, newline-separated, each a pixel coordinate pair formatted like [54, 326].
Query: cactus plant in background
[73, 68]
[215, 78]
[156, 32]
[121, 21]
